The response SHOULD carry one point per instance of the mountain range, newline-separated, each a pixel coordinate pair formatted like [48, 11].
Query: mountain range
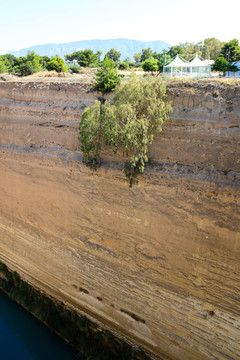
[127, 47]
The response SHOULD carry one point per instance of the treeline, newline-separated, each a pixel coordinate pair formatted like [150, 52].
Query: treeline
[222, 53]
[30, 64]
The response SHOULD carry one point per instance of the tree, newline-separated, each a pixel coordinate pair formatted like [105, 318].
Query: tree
[26, 69]
[165, 59]
[9, 62]
[176, 50]
[146, 54]
[231, 51]
[44, 61]
[211, 48]
[150, 65]
[137, 57]
[127, 125]
[221, 64]
[113, 55]
[34, 60]
[3, 67]
[98, 55]
[107, 77]
[84, 57]
[56, 64]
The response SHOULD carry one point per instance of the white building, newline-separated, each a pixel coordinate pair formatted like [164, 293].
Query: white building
[180, 68]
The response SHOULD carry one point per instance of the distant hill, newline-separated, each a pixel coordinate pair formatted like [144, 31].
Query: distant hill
[125, 46]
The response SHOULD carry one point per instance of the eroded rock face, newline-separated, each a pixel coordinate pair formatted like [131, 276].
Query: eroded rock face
[157, 263]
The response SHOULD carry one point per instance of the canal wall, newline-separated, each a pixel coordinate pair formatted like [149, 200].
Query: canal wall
[158, 263]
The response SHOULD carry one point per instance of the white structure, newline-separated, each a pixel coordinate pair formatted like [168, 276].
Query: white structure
[236, 74]
[71, 62]
[194, 68]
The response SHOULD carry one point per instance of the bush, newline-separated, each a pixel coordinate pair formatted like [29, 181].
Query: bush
[107, 77]
[123, 66]
[127, 125]
[26, 69]
[75, 68]
[56, 64]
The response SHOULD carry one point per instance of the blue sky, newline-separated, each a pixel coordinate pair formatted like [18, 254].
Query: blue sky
[28, 22]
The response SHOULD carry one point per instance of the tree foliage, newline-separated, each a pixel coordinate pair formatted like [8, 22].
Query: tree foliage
[123, 65]
[127, 125]
[107, 77]
[211, 48]
[146, 54]
[137, 57]
[220, 64]
[231, 51]
[113, 55]
[3, 67]
[150, 65]
[84, 57]
[56, 64]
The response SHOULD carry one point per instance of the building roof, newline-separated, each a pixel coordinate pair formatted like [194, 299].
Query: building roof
[198, 62]
[177, 62]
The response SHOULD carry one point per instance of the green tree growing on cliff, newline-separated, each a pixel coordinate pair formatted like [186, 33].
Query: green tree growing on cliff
[127, 125]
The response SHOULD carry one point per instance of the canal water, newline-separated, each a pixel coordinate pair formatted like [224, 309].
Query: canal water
[22, 337]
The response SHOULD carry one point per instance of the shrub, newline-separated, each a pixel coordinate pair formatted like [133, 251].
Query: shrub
[74, 68]
[56, 64]
[127, 125]
[123, 66]
[26, 69]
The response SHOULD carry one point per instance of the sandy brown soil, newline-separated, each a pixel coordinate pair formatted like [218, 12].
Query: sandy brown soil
[159, 262]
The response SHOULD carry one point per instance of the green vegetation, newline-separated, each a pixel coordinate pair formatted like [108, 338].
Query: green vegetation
[114, 55]
[123, 65]
[150, 61]
[30, 64]
[127, 125]
[107, 77]
[56, 64]
[231, 51]
[150, 65]
[85, 57]
[220, 64]
[75, 68]
[78, 330]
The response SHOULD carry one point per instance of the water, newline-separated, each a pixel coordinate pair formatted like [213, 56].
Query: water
[22, 337]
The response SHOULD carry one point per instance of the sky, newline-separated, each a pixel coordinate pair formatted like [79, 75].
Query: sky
[25, 23]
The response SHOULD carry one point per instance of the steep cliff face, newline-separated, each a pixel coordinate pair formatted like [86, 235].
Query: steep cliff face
[157, 263]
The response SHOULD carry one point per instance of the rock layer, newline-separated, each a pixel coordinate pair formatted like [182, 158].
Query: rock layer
[157, 263]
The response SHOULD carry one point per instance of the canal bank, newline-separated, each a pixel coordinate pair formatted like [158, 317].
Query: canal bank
[84, 336]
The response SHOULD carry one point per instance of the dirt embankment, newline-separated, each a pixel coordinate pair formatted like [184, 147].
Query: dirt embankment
[158, 263]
